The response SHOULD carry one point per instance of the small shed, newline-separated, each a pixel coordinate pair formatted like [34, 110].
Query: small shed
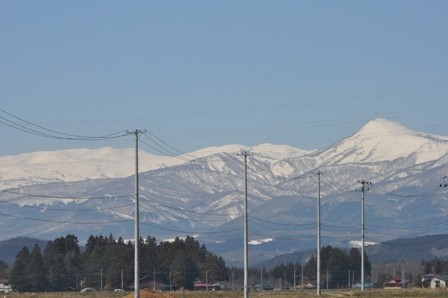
[394, 282]
[435, 281]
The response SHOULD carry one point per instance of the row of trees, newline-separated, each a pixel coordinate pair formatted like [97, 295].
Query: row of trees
[336, 263]
[107, 263]
[435, 265]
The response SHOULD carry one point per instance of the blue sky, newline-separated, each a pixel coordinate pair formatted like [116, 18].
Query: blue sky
[208, 73]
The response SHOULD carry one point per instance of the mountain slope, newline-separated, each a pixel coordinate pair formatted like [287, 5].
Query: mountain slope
[202, 194]
[384, 140]
[11, 247]
[403, 249]
[74, 165]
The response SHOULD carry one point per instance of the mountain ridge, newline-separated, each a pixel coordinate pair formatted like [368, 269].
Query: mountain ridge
[201, 195]
[417, 249]
[384, 140]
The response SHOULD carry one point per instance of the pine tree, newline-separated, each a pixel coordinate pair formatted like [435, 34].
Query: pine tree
[36, 271]
[354, 263]
[19, 271]
[72, 261]
[215, 268]
[63, 262]
[310, 269]
[3, 269]
[338, 267]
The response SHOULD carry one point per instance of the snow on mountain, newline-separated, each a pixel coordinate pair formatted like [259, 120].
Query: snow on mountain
[278, 152]
[201, 193]
[75, 165]
[384, 140]
[81, 164]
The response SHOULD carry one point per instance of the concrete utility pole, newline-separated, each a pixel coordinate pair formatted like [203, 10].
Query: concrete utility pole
[364, 189]
[101, 279]
[137, 132]
[246, 251]
[319, 173]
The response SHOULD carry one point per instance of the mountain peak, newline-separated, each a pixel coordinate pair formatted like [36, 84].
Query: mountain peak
[381, 126]
[385, 140]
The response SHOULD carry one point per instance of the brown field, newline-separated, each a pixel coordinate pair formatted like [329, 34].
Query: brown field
[231, 294]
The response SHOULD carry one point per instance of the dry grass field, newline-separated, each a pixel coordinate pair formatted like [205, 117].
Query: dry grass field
[229, 294]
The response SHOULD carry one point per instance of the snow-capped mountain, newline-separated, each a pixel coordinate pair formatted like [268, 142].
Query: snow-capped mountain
[83, 192]
[383, 140]
[74, 165]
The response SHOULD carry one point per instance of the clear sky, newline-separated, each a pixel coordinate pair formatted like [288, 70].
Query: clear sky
[209, 73]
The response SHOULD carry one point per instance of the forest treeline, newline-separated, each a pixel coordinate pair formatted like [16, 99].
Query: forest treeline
[108, 263]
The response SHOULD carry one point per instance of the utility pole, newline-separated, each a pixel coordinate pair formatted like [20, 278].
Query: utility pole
[364, 189]
[403, 276]
[246, 251]
[303, 280]
[294, 277]
[137, 132]
[101, 279]
[349, 278]
[319, 173]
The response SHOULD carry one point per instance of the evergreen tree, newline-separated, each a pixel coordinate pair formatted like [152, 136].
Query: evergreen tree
[95, 260]
[3, 269]
[367, 265]
[215, 268]
[63, 262]
[354, 263]
[184, 270]
[72, 260]
[338, 267]
[325, 253]
[285, 272]
[433, 266]
[150, 257]
[119, 259]
[36, 271]
[19, 271]
[310, 269]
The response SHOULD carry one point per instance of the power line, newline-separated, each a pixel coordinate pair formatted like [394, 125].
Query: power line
[192, 231]
[188, 210]
[65, 221]
[23, 194]
[46, 208]
[34, 129]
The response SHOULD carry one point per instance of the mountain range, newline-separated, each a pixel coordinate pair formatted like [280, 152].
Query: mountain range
[84, 192]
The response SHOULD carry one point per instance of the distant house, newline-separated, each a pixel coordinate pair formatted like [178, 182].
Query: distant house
[5, 287]
[147, 282]
[262, 287]
[201, 286]
[306, 286]
[395, 282]
[435, 281]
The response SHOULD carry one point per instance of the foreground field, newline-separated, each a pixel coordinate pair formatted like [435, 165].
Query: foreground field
[229, 294]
